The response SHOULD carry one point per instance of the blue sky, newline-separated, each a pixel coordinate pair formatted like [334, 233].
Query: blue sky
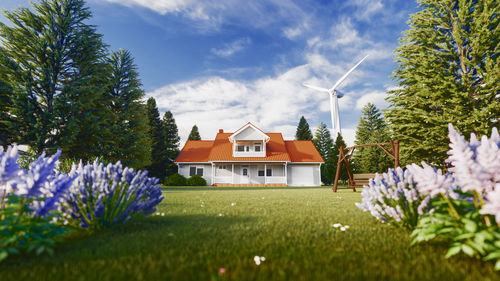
[220, 64]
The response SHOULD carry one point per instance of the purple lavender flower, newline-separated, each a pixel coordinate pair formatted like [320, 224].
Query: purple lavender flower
[492, 204]
[431, 181]
[102, 195]
[9, 170]
[36, 176]
[475, 165]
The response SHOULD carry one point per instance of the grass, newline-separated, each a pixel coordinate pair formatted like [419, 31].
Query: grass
[290, 227]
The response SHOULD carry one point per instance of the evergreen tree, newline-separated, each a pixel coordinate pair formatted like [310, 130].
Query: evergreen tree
[157, 137]
[194, 134]
[303, 131]
[131, 129]
[323, 140]
[324, 144]
[6, 135]
[55, 64]
[331, 162]
[172, 140]
[371, 129]
[448, 72]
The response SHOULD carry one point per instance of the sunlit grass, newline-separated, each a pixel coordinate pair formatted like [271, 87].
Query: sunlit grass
[205, 229]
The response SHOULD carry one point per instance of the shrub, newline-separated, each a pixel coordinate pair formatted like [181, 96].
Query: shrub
[393, 198]
[28, 202]
[466, 202]
[176, 180]
[102, 196]
[196, 180]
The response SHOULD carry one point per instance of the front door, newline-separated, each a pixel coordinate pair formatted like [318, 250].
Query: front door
[245, 175]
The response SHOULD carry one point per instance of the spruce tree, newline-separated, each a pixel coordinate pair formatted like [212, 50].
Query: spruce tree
[371, 129]
[332, 160]
[448, 72]
[172, 140]
[6, 132]
[131, 129]
[157, 137]
[55, 65]
[194, 134]
[324, 144]
[303, 130]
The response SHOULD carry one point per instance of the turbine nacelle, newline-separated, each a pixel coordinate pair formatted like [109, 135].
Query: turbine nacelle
[338, 93]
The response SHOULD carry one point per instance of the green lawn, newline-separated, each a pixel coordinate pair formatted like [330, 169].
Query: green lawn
[201, 232]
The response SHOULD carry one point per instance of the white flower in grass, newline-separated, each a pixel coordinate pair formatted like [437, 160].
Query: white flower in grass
[346, 226]
[162, 214]
[170, 234]
[220, 215]
[157, 214]
[342, 228]
[233, 204]
[258, 260]
[336, 225]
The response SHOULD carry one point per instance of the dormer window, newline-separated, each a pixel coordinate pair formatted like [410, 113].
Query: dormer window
[256, 147]
[240, 148]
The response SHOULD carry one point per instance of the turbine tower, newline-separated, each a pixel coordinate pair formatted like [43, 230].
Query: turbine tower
[335, 95]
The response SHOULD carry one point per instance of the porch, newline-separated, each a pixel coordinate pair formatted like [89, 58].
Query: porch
[249, 174]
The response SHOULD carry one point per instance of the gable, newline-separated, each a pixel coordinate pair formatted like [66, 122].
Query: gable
[249, 133]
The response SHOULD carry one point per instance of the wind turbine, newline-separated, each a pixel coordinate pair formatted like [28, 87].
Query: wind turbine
[335, 95]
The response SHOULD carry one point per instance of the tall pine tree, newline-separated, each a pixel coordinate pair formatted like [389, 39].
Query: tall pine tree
[324, 144]
[156, 134]
[303, 130]
[371, 129]
[6, 132]
[131, 128]
[172, 140]
[194, 134]
[448, 72]
[55, 65]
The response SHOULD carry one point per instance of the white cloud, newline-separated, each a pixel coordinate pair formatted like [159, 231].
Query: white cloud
[211, 14]
[232, 48]
[377, 98]
[366, 8]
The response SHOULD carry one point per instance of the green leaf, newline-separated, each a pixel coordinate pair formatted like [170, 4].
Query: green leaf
[497, 265]
[470, 225]
[468, 250]
[3, 254]
[453, 251]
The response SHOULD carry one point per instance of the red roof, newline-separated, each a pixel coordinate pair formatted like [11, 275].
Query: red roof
[220, 150]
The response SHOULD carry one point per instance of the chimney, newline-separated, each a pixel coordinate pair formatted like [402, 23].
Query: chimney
[221, 130]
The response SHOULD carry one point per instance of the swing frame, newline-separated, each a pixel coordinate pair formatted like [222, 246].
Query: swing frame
[345, 155]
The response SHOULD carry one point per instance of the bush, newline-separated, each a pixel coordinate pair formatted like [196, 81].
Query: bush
[196, 180]
[176, 180]
[102, 196]
[28, 203]
[393, 198]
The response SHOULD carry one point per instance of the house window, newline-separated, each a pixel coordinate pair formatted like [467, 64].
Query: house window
[269, 172]
[261, 173]
[257, 148]
[240, 148]
[199, 172]
[248, 148]
[192, 171]
[222, 167]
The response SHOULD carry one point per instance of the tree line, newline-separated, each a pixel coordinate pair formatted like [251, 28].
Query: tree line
[62, 88]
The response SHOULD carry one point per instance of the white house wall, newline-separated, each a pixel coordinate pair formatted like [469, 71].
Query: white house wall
[207, 171]
[303, 175]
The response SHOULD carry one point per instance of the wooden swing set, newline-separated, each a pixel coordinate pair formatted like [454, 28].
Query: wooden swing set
[346, 153]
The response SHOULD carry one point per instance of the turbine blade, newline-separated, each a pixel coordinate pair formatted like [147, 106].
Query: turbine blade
[316, 88]
[347, 74]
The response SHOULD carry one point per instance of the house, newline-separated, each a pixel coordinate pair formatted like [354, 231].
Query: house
[250, 157]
